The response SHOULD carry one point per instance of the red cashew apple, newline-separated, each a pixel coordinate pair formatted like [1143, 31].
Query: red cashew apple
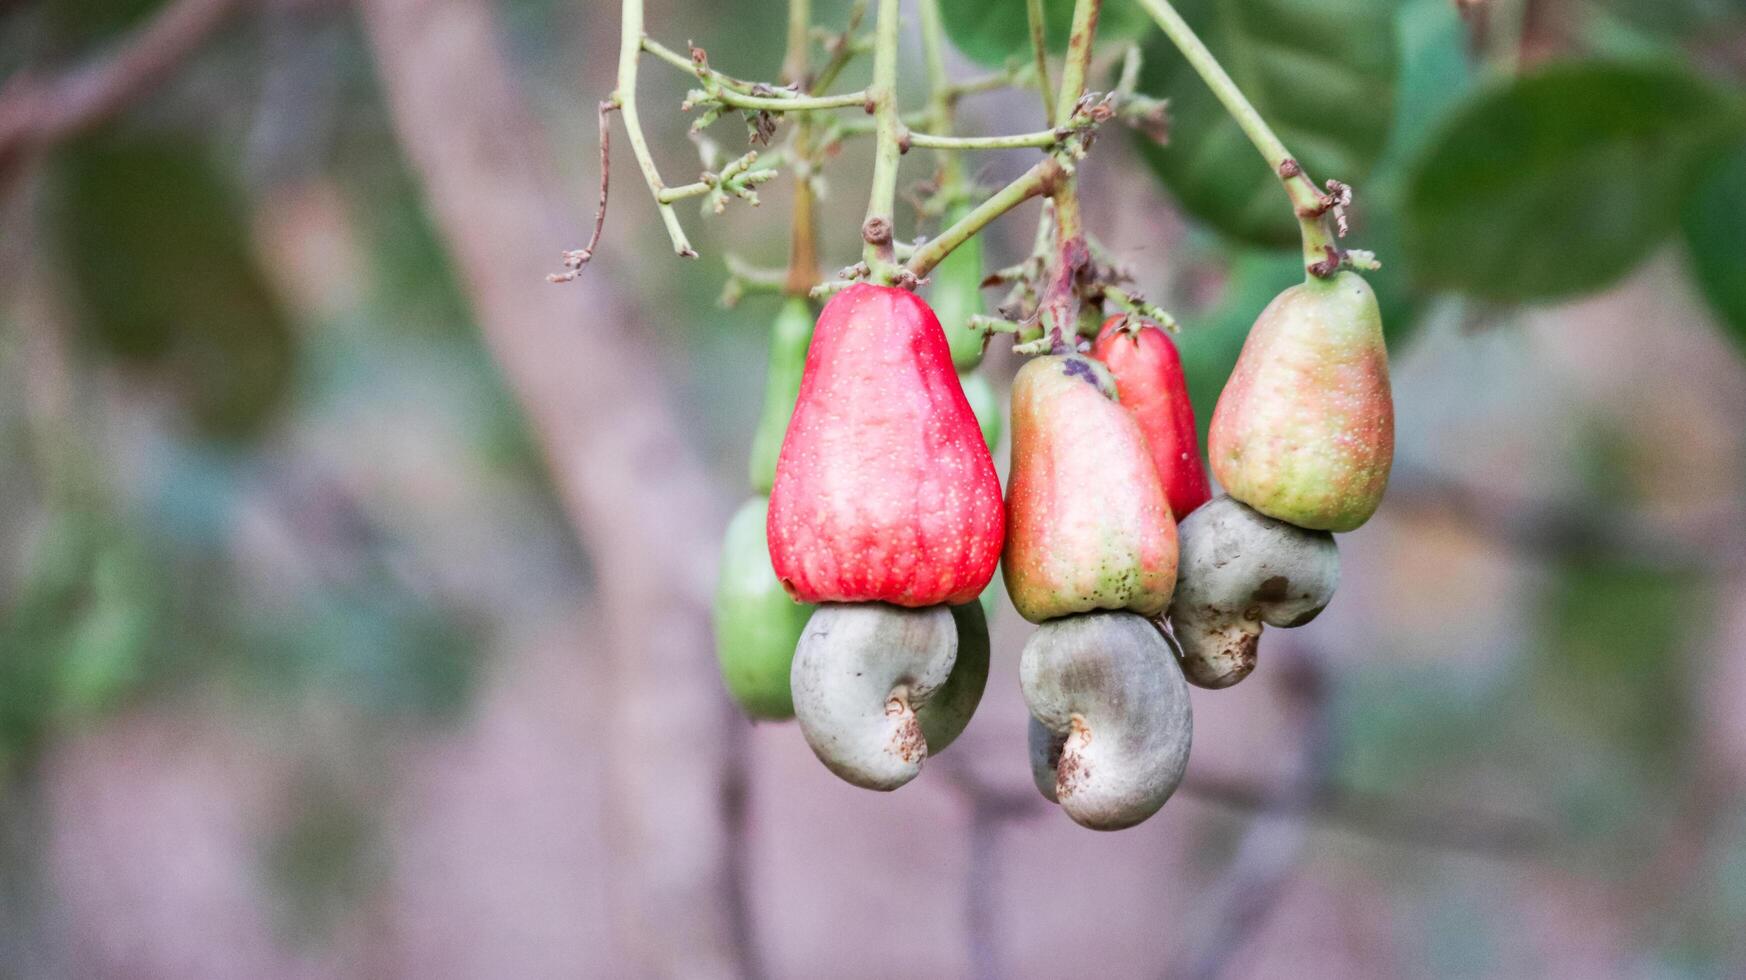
[1304, 430]
[1148, 375]
[884, 490]
[1087, 523]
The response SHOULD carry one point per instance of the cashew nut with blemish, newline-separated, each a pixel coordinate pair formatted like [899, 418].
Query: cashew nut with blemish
[1112, 720]
[863, 672]
[1238, 570]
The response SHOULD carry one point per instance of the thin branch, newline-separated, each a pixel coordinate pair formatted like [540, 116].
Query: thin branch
[879, 228]
[485, 166]
[841, 48]
[1321, 254]
[1041, 179]
[1042, 139]
[575, 259]
[1384, 818]
[36, 114]
[1272, 847]
[690, 67]
[630, 50]
[803, 270]
[1040, 56]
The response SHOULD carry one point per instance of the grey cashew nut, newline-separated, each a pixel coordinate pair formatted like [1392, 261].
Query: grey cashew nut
[861, 672]
[945, 715]
[1239, 569]
[1112, 720]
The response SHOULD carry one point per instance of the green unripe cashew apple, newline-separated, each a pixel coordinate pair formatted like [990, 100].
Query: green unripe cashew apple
[1088, 525]
[956, 296]
[979, 391]
[789, 337]
[756, 623]
[1304, 429]
[1111, 722]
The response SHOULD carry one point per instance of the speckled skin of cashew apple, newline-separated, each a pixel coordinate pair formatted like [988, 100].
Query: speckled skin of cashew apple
[884, 490]
[1239, 570]
[1113, 722]
[1088, 526]
[1304, 429]
[861, 672]
[1148, 376]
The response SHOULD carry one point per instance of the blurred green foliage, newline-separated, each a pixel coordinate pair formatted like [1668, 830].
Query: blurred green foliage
[1714, 225]
[1321, 73]
[997, 32]
[1558, 182]
[157, 250]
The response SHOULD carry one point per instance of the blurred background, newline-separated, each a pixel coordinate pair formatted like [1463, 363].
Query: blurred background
[354, 593]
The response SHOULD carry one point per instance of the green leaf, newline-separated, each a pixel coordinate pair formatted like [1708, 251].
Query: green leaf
[996, 32]
[1560, 182]
[158, 253]
[1615, 654]
[1714, 223]
[1211, 340]
[1321, 72]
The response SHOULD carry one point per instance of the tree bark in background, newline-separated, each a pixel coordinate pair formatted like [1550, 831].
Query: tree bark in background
[640, 501]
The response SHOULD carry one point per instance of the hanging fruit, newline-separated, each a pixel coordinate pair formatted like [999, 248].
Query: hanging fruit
[1241, 570]
[956, 296]
[1087, 523]
[1304, 430]
[884, 489]
[1111, 723]
[880, 688]
[1148, 375]
[979, 392]
[757, 624]
[789, 337]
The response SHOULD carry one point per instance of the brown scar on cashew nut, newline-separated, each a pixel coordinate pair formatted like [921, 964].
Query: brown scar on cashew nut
[1239, 571]
[1111, 724]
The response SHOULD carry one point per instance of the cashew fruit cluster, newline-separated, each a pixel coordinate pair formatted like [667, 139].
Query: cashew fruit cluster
[848, 599]
[1091, 557]
[886, 514]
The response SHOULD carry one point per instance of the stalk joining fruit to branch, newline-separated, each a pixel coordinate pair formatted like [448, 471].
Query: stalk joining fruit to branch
[1322, 256]
[879, 229]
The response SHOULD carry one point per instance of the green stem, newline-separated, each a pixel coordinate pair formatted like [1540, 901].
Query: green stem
[1038, 180]
[794, 62]
[1040, 52]
[799, 103]
[940, 103]
[803, 271]
[689, 67]
[845, 51]
[1078, 64]
[1016, 141]
[737, 92]
[1306, 200]
[625, 97]
[1069, 223]
[880, 227]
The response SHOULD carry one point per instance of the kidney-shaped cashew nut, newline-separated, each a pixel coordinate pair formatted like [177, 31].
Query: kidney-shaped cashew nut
[1240, 569]
[946, 713]
[861, 672]
[1113, 724]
